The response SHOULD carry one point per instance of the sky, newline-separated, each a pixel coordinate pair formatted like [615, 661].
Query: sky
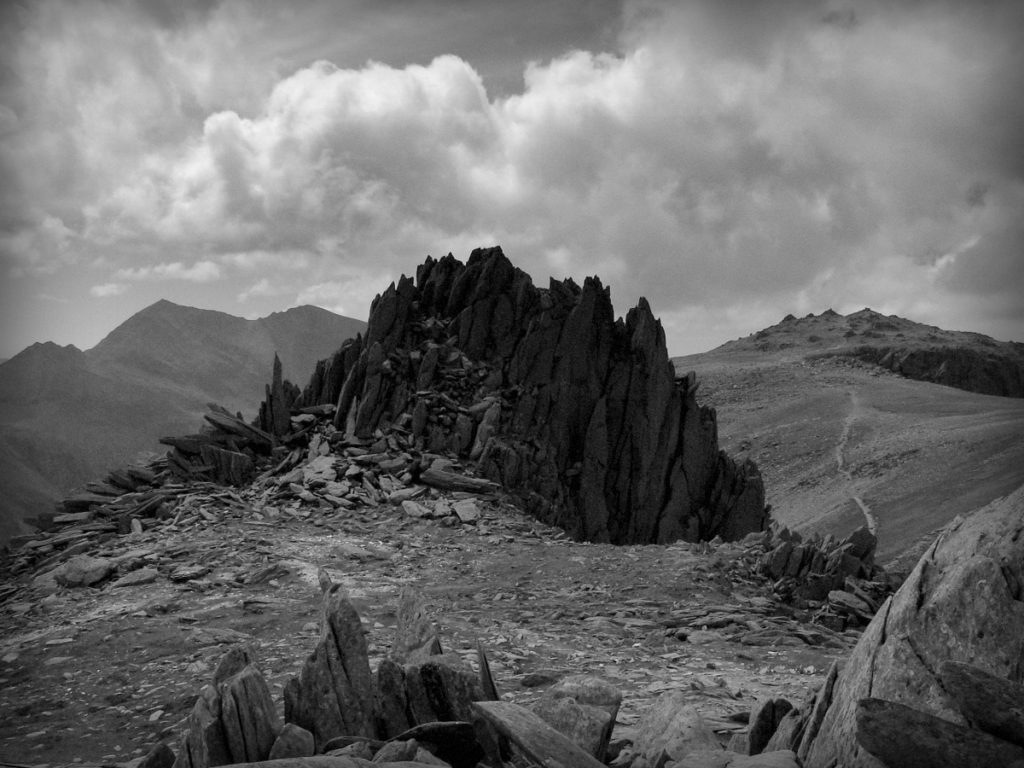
[732, 162]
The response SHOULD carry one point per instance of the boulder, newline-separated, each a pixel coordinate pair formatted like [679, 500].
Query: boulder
[671, 728]
[83, 571]
[963, 602]
[293, 741]
[583, 708]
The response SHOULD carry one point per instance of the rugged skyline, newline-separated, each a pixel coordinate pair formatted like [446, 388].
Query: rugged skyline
[730, 162]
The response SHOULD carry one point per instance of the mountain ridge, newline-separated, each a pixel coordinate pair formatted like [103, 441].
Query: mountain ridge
[66, 414]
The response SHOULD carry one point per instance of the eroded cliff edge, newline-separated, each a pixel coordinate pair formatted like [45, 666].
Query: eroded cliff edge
[576, 412]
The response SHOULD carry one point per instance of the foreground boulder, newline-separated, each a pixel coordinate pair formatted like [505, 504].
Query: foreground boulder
[234, 719]
[963, 603]
[577, 412]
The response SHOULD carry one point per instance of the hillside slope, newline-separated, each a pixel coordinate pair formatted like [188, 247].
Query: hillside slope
[67, 415]
[961, 359]
[841, 441]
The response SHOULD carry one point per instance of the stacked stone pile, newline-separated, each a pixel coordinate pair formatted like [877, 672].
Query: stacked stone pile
[226, 452]
[576, 412]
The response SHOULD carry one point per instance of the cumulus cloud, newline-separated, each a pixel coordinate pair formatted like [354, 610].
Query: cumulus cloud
[108, 290]
[261, 287]
[200, 272]
[730, 161]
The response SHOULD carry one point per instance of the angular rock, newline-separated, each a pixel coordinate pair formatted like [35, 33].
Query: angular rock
[248, 715]
[764, 722]
[586, 726]
[83, 571]
[334, 693]
[537, 740]
[993, 704]
[899, 735]
[392, 700]
[229, 467]
[319, 472]
[467, 511]
[160, 756]
[204, 743]
[963, 602]
[137, 578]
[591, 717]
[441, 688]
[292, 741]
[397, 751]
[452, 742]
[672, 727]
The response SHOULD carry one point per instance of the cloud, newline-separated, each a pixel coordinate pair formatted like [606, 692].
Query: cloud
[727, 160]
[40, 247]
[200, 272]
[108, 290]
[261, 287]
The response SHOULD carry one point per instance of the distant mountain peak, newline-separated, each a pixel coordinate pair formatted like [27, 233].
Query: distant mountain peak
[970, 361]
[48, 351]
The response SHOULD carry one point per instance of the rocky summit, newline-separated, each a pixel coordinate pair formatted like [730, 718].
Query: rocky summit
[353, 581]
[576, 411]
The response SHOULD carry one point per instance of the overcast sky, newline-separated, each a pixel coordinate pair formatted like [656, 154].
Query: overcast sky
[731, 161]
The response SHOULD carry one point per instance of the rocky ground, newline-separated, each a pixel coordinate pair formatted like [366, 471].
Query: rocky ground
[99, 674]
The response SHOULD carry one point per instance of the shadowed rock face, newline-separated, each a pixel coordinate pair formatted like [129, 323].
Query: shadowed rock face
[988, 371]
[578, 413]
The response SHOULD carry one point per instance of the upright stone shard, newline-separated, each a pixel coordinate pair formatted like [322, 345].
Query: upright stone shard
[234, 720]
[576, 412]
[334, 693]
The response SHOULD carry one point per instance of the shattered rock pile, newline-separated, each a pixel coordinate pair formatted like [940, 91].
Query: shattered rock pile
[576, 412]
[839, 578]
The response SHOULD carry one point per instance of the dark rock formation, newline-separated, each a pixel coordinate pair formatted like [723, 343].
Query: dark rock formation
[576, 412]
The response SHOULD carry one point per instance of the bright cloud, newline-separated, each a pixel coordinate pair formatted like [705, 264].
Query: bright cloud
[261, 287]
[108, 290]
[200, 272]
[729, 161]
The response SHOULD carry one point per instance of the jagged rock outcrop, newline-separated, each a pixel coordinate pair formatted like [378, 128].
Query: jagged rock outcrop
[842, 574]
[963, 603]
[576, 412]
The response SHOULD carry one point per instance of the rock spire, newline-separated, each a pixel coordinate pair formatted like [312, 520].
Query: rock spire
[576, 412]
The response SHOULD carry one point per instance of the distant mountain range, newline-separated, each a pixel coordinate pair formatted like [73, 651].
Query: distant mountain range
[868, 417]
[66, 416]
